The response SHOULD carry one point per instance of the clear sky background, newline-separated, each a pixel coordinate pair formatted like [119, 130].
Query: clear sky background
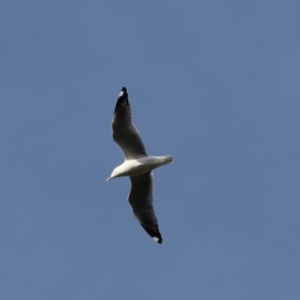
[214, 83]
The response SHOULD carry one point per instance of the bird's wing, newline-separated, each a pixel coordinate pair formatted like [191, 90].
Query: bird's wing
[123, 130]
[141, 199]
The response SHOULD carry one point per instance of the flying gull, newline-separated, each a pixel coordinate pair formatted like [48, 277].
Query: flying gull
[137, 165]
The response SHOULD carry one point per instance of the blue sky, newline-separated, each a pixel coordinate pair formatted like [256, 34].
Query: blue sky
[215, 84]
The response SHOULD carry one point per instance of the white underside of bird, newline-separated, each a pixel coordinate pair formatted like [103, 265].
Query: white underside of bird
[132, 167]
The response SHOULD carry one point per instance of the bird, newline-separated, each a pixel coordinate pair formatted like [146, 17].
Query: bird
[137, 165]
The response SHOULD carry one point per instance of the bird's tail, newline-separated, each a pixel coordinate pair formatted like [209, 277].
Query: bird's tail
[166, 159]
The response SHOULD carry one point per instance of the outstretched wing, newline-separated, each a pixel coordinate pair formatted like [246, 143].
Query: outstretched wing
[141, 201]
[124, 132]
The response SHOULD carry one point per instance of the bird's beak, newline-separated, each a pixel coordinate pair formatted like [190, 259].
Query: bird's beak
[108, 179]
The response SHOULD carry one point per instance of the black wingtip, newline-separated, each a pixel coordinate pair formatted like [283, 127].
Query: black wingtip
[158, 239]
[123, 93]
[155, 234]
[123, 98]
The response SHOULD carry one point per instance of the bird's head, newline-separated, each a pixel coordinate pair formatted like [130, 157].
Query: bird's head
[115, 173]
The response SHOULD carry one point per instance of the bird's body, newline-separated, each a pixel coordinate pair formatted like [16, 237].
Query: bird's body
[144, 164]
[137, 165]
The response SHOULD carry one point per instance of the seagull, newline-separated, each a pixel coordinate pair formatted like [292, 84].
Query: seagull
[137, 165]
